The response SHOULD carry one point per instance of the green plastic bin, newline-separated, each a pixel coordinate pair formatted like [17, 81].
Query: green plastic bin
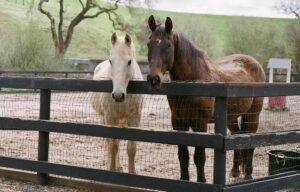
[283, 160]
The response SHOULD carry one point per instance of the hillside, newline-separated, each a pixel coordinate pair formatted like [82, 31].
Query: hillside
[92, 37]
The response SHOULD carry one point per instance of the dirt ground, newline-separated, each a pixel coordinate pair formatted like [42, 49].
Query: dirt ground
[10, 185]
[151, 159]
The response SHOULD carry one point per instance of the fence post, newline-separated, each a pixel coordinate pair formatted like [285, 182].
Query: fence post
[43, 147]
[221, 128]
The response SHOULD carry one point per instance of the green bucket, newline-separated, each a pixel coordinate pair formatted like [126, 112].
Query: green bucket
[283, 160]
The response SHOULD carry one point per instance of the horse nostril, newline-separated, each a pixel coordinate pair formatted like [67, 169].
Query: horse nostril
[153, 80]
[157, 79]
[148, 78]
[118, 96]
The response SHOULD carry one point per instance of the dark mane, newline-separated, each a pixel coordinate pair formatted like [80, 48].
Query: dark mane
[194, 57]
[185, 44]
[160, 30]
[187, 48]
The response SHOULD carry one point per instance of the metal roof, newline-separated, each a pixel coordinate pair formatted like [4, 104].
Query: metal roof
[280, 63]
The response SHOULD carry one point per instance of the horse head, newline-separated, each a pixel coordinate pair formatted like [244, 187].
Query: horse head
[161, 47]
[121, 58]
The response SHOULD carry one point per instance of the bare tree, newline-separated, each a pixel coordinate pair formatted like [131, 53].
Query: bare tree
[289, 7]
[90, 9]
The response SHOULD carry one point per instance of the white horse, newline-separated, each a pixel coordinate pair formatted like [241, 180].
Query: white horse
[118, 108]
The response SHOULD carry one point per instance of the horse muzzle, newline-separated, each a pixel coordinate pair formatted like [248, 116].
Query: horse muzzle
[154, 82]
[118, 96]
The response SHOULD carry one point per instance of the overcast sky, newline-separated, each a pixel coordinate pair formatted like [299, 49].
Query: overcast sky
[260, 8]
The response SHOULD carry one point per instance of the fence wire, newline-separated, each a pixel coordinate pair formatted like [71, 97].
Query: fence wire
[48, 74]
[262, 162]
[20, 105]
[151, 159]
[19, 144]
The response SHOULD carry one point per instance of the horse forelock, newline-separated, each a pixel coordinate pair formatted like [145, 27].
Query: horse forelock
[122, 49]
[160, 31]
[125, 53]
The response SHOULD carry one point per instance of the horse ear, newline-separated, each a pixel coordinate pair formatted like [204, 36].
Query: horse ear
[127, 39]
[168, 25]
[114, 38]
[152, 23]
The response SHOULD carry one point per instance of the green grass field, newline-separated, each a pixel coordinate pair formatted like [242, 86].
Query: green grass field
[92, 37]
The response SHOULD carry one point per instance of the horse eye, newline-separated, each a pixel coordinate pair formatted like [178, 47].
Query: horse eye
[169, 45]
[109, 61]
[129, 62]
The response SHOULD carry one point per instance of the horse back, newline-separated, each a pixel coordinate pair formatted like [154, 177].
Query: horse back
[246, 69]
[102, 71]
[240, 68]
[233, 68]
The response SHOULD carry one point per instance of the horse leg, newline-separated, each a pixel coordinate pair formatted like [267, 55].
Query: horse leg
[247, 154]
[199, 155]
[131, 151]
[234, 129]
[118, 164]
[199, 159]
[113, 153]
[109, 157]
[183, 153]
[133, 121]
[113, 159]
[250, 122]
[183, 156]
[248, 160]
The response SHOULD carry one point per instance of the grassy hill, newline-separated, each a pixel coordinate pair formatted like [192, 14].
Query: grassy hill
[92, 37]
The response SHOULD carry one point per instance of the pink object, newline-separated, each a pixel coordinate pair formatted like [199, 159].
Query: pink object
[278, 102]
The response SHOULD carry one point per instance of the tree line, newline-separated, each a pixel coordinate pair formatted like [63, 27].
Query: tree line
[257, 39]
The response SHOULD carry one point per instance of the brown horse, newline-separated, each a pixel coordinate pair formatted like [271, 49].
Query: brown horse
[171, 51]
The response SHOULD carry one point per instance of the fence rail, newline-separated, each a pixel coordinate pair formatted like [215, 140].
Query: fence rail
[106, 176]
[204, 89]
[219, 141]
[87, 74]
[170, 137]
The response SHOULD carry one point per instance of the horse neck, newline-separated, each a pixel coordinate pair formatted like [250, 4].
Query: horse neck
[190, 63]
[137, 75]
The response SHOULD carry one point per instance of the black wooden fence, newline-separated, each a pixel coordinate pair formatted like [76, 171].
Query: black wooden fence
[219, 141]
[295, 77]
[87, 67]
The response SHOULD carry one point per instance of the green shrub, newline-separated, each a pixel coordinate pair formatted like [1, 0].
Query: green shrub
[142, 36]
[202, 35]
[293, 43]
[142, 33]
[29, 48]
[258, 39]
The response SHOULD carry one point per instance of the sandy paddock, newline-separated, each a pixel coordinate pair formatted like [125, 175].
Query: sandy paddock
[151, 159]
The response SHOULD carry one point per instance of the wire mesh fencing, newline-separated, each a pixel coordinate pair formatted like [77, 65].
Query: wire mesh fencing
[262, 164]
[48, 74]
[151, 159]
